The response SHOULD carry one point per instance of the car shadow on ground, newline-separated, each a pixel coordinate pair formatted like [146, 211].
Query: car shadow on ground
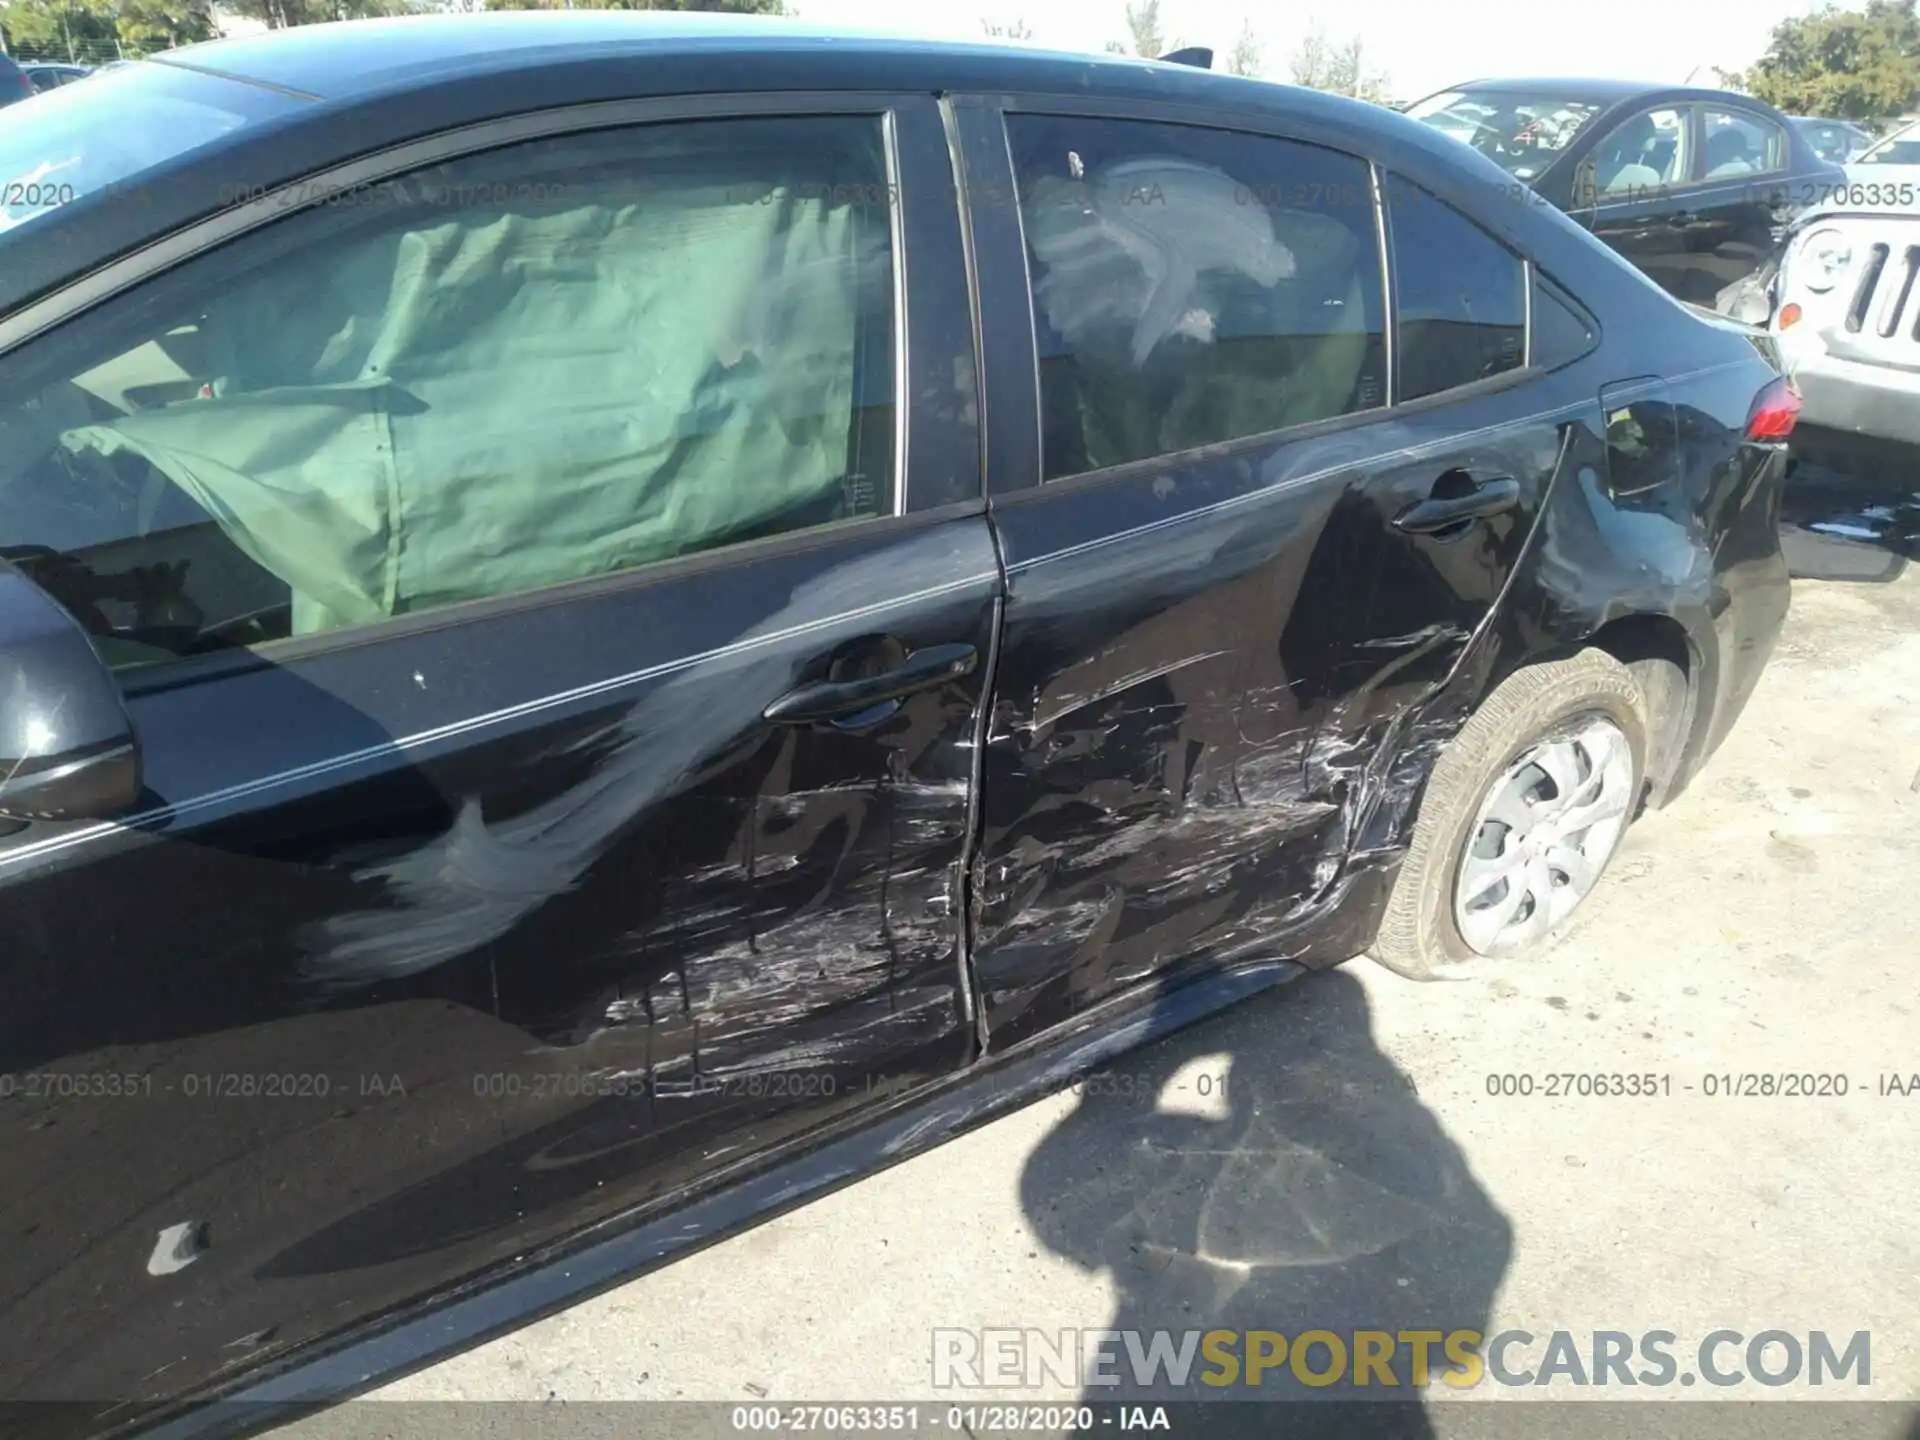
[1271, 1169]
[1852, 507]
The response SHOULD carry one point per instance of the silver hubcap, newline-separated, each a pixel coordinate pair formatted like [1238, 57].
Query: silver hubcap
[1543, 836]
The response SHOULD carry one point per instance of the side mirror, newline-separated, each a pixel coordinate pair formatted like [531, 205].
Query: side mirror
[67, 748]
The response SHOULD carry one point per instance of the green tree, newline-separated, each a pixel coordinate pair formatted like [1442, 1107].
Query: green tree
[1848, 64]
[91, 31]
[56, 29]
[1143, 24]
[282, 14]
[1319, 64]
[149, 25]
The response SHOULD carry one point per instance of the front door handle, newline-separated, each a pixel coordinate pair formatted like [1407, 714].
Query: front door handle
[827, 700]
[1488, 497]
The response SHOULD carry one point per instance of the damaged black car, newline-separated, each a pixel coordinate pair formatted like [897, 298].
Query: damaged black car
[612, 620]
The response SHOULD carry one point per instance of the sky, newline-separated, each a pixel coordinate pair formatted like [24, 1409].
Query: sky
[1419, 45]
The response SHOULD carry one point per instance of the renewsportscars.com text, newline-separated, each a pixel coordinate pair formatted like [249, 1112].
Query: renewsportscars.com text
[1391, 1359]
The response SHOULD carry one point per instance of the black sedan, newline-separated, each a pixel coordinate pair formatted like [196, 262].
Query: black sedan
[1696, 187]
[611, 619]
[48, 76]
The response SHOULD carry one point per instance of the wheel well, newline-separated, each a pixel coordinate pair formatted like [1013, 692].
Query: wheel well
[1656, 650]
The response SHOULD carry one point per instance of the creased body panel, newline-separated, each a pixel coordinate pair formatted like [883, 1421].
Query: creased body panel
[1121, 797]
[1212, 680]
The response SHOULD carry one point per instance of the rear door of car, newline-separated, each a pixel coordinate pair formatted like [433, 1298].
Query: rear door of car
[1737, 198]
[1224, 595]
[578, 533]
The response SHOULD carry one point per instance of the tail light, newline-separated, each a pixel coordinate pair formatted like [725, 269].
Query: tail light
[1775, 410]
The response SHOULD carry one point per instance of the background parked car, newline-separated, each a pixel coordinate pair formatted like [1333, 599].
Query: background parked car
[1847, 297]
[14, 84]
[1835, 140]
[1696, 187]
[46, 75]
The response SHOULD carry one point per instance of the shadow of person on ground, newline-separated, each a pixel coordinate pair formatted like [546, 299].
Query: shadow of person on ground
[1271, 1169]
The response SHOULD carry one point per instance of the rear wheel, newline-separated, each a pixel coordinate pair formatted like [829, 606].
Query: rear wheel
[1521, 815]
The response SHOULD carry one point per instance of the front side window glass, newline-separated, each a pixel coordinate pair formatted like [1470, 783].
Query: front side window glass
[553, 361]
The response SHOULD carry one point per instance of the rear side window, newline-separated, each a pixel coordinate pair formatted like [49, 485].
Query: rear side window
[1192, 286]
[1461, 296]
[1739, 142]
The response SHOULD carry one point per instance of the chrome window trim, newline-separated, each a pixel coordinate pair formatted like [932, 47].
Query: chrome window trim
[1026, 282]
[897, 241]
[1389, 289]
[1526, 312]
[969, 254]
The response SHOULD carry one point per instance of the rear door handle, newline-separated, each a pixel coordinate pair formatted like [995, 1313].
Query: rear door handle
[828, 700]
[1491, 496]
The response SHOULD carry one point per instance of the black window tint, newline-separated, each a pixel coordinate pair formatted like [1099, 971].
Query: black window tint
[1192, 285]
[1461, 295]
[557, 360]
[1561, 333]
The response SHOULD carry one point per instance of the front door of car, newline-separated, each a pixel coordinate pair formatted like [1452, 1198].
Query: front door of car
[1197, 591]
[557, 692]
[1627, 191]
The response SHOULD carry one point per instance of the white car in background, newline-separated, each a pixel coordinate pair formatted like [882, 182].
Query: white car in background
[1847, 297]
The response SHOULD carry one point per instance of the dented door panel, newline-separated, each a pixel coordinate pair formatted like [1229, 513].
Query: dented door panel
[523, 944]
[430, 947]
[1210, 678]
[1429, 594]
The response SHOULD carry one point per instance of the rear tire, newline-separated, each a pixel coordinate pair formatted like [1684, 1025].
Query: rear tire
[1521, 815]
